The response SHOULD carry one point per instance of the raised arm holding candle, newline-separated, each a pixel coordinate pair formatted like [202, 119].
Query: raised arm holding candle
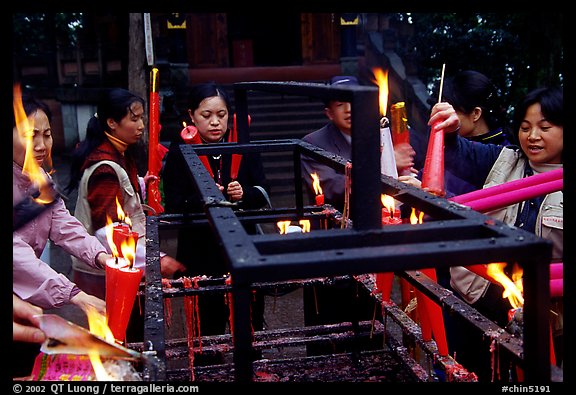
[433, 173]
[538, 122]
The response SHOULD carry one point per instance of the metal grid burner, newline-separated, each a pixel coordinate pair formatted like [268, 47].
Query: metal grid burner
[455, 235]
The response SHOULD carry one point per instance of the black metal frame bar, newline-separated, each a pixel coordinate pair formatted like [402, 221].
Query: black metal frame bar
[455, 235]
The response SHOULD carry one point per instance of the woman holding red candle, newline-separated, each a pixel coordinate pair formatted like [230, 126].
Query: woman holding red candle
[539, 130]
[104, 169]
[241, 180]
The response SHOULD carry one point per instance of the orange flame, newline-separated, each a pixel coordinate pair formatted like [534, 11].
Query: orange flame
[99, 327]
[305, 223]
[316, 184]
[121, 215]
[283, 226]
[388, 202]
[110, 236]
[381, 79]
[416, 219]
[128, 248]
[25, 128]
[513, 288]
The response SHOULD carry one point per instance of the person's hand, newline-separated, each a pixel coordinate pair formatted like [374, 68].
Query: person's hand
[411, 180]
[404, 156]
[149, 177]
[169, 266]
[83, 300]
[235, 191]
[443, 116]
[102, 257]
[26, 327]
[220, 187]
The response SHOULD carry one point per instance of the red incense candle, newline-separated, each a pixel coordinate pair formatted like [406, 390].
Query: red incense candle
[112, 267]
[391, 219]
[121, 234]
[433, 173]
[320, 200]
[126, 288]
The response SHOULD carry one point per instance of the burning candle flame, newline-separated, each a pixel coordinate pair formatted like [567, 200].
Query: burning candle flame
[305, 223]
[110, 236]
[25, 128]
[381, 79]
[316, 184]
[388, 202]
[416, 219]
[128, 248]
[121, 216]
[283, 226]
[99, 327]
[512, 286]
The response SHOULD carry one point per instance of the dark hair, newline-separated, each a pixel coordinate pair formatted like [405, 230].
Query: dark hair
[114, 104]
[469, 89]
[202, 91]
[31, 104]
[551, 102]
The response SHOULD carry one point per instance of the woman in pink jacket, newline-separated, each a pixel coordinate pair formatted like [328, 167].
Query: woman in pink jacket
[34, 280]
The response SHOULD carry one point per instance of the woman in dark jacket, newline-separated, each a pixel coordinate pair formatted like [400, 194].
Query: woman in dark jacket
[243, 184]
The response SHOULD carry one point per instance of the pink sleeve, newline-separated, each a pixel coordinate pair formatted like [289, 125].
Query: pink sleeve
[35, 281]
[70, 234]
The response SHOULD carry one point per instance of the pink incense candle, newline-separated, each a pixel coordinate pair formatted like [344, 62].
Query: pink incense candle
[557, 270]
[501, 200]
[433, 173]
[556, 287]
[510, 186]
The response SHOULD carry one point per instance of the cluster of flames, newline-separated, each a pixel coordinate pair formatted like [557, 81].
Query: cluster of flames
[128, 245]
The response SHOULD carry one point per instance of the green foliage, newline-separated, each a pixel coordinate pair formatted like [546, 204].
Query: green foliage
[517, 51]
[38, 33]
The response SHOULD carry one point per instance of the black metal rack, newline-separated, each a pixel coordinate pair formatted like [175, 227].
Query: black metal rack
[454, 235]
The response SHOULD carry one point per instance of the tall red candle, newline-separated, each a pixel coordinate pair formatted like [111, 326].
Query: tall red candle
[127, 281]
[112, 267]
[433, 173]
[154, 160]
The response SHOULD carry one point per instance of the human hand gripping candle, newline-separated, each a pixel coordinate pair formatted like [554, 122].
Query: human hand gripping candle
[433, 173]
